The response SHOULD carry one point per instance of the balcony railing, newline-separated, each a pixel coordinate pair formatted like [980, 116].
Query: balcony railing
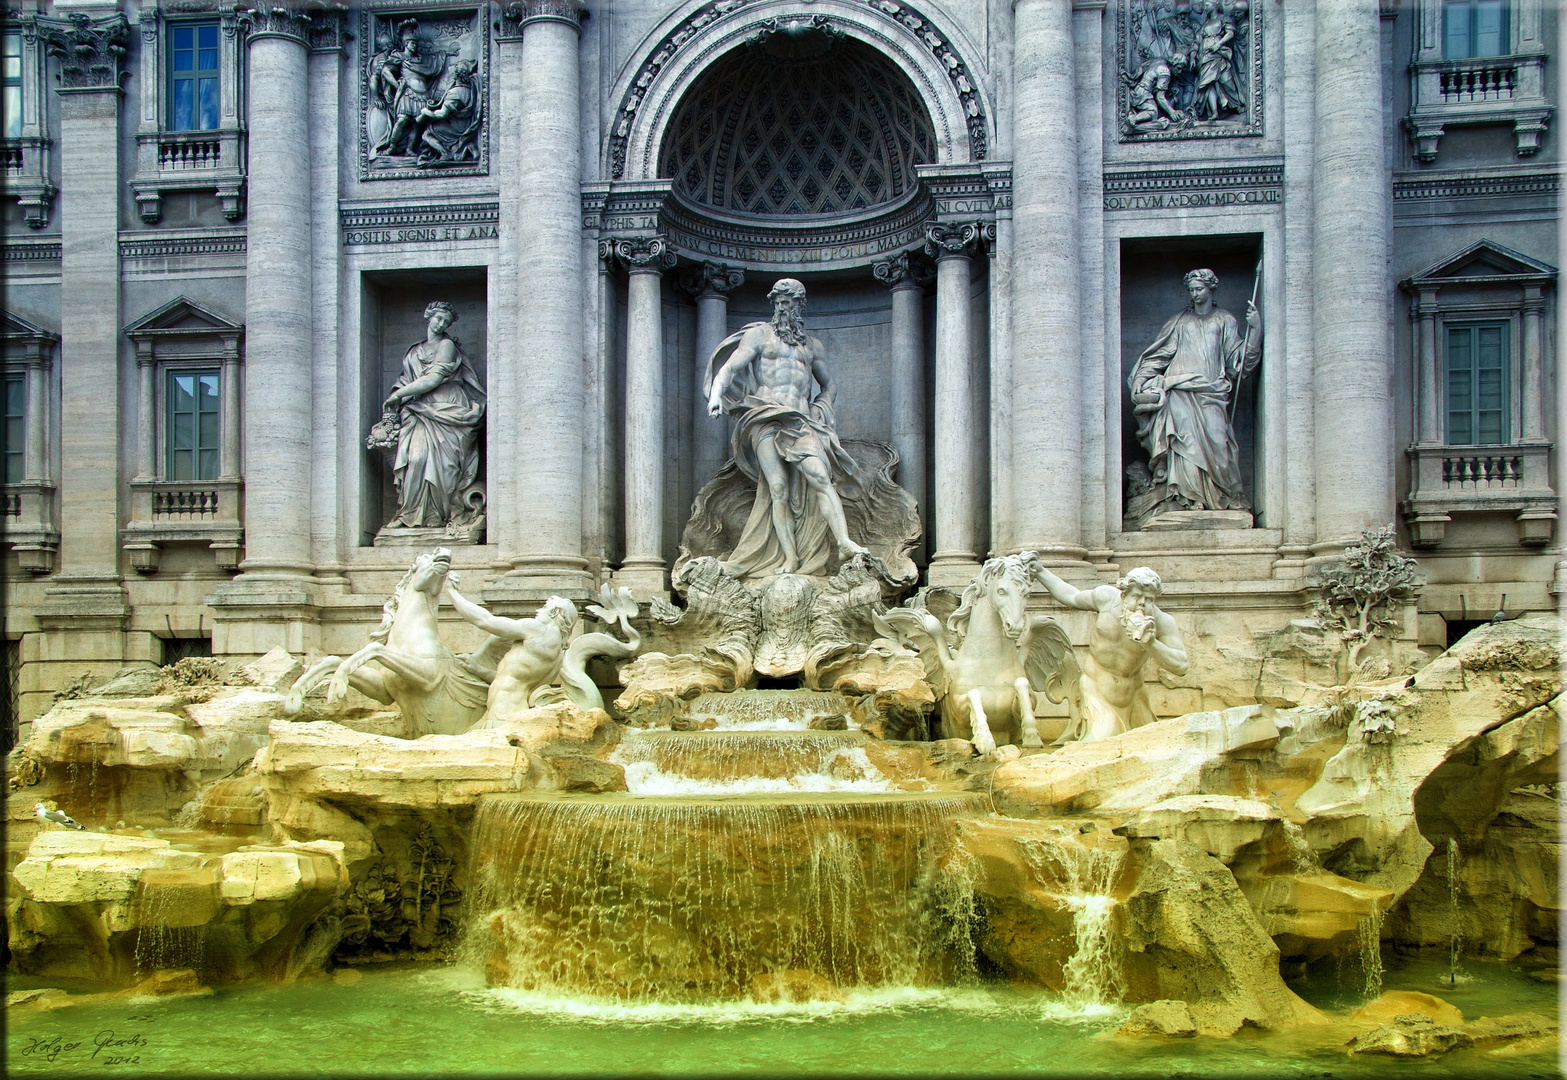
[1482, 471]
[196, 503]
[180, 152]
[1490, 79]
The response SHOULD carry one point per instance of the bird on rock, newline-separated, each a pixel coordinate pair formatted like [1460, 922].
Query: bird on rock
[56, 817]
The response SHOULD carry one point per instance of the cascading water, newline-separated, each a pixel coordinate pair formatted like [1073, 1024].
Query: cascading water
[748, 762]
[1369, 933]
[1091, 976]
[765, 710]
[679, 899]
[1452, 911]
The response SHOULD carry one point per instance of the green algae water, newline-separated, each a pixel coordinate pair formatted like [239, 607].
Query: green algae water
[446, 1022]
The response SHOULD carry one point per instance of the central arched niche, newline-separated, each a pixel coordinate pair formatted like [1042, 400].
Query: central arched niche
[798, 124]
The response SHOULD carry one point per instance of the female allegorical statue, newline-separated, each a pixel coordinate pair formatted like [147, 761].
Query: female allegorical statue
[1182, 387]
[437, 406]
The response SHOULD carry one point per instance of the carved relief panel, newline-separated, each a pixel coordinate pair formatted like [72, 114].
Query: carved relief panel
[1188, 70]
[424, 94]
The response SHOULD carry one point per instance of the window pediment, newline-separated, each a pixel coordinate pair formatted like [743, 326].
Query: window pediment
[1484, 261]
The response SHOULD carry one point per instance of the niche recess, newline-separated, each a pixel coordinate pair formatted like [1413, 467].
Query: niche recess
[392, 304]
[1152, 290]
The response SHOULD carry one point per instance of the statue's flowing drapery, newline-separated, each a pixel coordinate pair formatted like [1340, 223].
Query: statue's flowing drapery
[438, 439]
[1191, 445]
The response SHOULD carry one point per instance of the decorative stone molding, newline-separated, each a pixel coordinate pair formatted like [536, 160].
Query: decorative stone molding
[1189, 74]
[711, 279]
[424, 94]
[291, 24]
[1188, 188]
[28, 507]
[183, 333]
[1490, 282]
[373, 224]
[910, 36]
[644, 255]
[91, 51]
[945, 241]
[1505, 89]
[515, 17]
[33, 251]
[27, 162]
[1476, 184]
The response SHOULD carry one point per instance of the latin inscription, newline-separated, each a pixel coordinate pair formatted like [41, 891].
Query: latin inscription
[437, 234]
[1181, 200]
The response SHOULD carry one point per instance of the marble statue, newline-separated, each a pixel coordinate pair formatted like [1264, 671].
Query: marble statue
[1184, 389]
[1148, 94]
[785, 442]
[543, 663]
[1109, 695]
[1219, 91]
[430, 426]
[437, 691]
[991, 657]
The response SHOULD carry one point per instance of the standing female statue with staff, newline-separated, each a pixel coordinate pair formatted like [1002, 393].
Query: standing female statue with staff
[1183, 389]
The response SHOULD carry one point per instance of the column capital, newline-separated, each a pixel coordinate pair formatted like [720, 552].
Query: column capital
[91, 51]
[642, 255]
[290, 24]
[902, 271]
[712, 279]
[516, 16]
[956, 240]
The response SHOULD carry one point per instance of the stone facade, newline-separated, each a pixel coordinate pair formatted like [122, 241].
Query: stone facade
[988, 201]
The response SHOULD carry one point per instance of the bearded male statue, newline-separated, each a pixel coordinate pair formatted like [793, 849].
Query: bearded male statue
[793, 498]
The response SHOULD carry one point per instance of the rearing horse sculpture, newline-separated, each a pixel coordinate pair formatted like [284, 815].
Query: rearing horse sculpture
[984, 688]
[437, 691]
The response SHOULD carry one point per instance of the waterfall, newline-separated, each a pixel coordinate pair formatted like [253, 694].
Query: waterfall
[1452, 911]
[747, 762]
[1091, 976]
[691, 899]
[1301, 855]
[766, 710]
[1369, 933]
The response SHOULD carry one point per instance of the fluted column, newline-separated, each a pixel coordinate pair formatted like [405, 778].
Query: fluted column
[546, 357]
[908, 377]
[279, 323]
[1430, 427]
[710, 284]
[642, 571]
[1352, 368]
[1047, 400]
[1533, 375]
[953, 562]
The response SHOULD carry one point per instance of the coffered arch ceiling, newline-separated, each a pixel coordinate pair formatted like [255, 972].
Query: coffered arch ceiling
[804, 125]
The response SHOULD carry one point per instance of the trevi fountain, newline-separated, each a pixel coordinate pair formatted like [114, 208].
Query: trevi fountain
[643, 648]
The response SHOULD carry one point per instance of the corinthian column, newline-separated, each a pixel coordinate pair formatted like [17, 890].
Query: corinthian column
[643, 569]
[711, 285]
[1352, 369]
[1047, 383]
[953, 563]
[545, 357]
[908, 375]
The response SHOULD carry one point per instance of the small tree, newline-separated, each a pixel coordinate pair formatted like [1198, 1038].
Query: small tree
[1360, 590]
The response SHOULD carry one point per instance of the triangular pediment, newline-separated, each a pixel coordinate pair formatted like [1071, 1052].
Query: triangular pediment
[182, 316]
[1485, 259]
[18, 328]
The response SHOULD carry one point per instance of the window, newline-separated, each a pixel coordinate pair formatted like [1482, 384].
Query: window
[1473, 28]
[193, 425]
[12, 103]
[193, 76]
[1477, 397]
[15, 425]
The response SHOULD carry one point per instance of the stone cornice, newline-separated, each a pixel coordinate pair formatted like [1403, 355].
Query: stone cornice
[91, 51]
[1178, 188]
[1451, 185]
[161, 245]
[32, 251]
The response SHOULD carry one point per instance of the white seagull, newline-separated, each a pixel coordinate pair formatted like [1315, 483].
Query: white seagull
[56, 817]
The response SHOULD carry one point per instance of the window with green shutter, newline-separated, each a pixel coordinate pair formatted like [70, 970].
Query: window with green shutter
[1478, 398]
[15, 428]
[193, 77]
[193, 425]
